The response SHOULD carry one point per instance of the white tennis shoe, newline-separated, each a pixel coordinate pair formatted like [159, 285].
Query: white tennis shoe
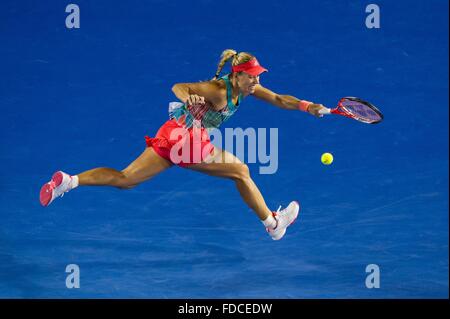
[58, 185]
[284, 218]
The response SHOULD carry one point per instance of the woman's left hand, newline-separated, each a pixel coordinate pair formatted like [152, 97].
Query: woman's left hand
[315, 108]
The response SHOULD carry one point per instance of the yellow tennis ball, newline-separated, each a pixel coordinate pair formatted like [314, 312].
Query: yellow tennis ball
[327, 158]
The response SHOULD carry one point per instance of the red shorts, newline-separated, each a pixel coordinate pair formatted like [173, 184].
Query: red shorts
[179, 145]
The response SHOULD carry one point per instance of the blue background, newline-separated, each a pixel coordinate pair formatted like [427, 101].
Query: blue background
[82, 98]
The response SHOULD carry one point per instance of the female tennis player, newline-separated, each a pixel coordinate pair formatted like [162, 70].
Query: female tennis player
[183, 140]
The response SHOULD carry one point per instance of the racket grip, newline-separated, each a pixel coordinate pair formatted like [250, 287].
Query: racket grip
[325, 111]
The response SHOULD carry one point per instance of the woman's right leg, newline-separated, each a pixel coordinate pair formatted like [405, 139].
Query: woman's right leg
[225, 164]
[147, 165]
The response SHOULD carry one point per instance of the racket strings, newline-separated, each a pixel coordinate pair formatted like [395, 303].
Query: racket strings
[361, 110]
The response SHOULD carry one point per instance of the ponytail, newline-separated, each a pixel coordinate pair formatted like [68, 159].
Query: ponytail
[224, 57]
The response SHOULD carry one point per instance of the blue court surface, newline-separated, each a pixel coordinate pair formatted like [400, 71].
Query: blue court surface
[76, 99]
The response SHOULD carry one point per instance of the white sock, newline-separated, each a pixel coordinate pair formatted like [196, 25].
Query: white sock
[74, 182]
[270, 222]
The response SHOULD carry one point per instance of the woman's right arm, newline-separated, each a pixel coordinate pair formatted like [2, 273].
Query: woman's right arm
[181, 91]
[198, 93]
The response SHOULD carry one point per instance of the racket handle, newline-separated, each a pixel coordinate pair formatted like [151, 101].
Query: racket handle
[325, 111]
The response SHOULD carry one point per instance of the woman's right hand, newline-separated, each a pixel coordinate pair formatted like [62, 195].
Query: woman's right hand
[195, 100]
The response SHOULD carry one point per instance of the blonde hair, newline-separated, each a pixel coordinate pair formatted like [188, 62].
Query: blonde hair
[238, 58]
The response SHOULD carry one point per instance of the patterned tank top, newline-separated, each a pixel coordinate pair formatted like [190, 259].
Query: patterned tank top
[204, 116]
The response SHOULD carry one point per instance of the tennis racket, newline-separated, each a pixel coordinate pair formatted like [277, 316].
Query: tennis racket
[356, 109]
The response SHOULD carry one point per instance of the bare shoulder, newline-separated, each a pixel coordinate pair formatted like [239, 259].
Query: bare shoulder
[211, 86]
[216, 85]
[213, 91]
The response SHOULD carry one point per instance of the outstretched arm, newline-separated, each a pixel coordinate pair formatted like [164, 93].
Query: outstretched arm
[287, 102]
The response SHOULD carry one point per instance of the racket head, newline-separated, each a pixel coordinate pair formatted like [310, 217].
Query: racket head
[359, 110]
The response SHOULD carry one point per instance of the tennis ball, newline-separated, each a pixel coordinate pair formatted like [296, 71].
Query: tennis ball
[327, 158]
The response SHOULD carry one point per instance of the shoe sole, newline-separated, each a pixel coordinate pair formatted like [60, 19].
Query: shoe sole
[298, 204]
[46, 193]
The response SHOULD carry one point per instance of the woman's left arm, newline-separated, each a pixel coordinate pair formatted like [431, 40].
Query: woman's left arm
[287, 102]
